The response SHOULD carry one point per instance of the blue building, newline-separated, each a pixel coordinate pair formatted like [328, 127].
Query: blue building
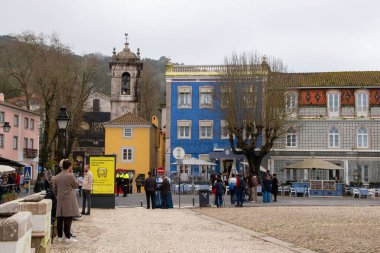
[195, 122]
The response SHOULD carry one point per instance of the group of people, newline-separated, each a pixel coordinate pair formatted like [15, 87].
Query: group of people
[243, 189]
[151, 186]
[64, 187]
[14, 181]
[122, 183]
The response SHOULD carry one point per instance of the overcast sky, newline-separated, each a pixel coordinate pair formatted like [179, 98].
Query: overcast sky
[309, 36]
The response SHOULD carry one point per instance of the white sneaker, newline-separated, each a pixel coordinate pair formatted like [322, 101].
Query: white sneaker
[60, 239]
[71, 239]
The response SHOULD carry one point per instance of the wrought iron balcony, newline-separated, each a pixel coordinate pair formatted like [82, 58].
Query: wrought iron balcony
[30, 153]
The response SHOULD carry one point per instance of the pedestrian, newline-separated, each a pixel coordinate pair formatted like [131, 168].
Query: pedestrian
[87, 188]
[18, 183]
[275, 184]
[47, 179]
[125, 184]
[150, 186]
[240, 188]
[80, 184]
[219, 190]
[232, 189]
[39, 185]
[267, 188]
[164, 189]
[139, 183]
[21, 182]
[119, 185]
[65, 185]
[252, 182]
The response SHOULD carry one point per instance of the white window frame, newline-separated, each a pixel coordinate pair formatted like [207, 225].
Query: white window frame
[127, 132]
[31, 124]
[1, 140]
[15, 142]
[2, 117]
[360, 137]
[207, 124]
[291, 133]
[131, 149]
[362, 103]
[26, 122]
[184, 90]
[185, 168]
[292, 100]
[16, 120]
[206, 102]
[333, 138]
[204, 157]
[183, 124]
[223, 125]
[26, 142]
[333, 103]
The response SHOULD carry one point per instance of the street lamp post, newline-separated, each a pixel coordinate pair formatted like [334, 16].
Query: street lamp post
[6, 127]
[63, 120]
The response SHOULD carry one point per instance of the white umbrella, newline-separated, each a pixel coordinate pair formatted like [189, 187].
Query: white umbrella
[195, 161]
[314, 163]
[6, 168]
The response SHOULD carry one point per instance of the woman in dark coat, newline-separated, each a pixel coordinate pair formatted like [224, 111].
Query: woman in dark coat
[275, 184]
[219, 187]
[267, 188]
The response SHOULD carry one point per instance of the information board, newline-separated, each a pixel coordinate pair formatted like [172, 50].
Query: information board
[103, 171]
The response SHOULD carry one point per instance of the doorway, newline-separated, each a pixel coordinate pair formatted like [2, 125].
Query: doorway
[227, 167]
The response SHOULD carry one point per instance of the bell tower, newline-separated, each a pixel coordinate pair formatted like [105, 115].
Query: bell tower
[125, 69]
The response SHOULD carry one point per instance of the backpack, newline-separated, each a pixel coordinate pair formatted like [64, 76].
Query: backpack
[231, 186]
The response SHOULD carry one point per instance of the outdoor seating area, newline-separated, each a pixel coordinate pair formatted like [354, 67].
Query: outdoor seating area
[189, 188]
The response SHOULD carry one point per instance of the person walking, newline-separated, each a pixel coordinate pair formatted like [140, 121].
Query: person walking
[119, 184]
[275, 184]
[65, 185]
[267, 188]
[150, 186]
[38, 185]
[87, 188]
[240, 187]
[219, 190]
[252, 182]
[80, 184]
[139, 183]
[165, 189]
[232, 188]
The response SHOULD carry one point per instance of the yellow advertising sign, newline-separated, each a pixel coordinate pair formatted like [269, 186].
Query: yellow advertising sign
[103, 170]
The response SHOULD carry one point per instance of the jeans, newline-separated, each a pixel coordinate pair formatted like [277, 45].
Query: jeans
[219, 199]
[86, 198]
[64, 222]
[239, 197]
[233, 196]
[150, 195]
[267, 197]
[164, 199]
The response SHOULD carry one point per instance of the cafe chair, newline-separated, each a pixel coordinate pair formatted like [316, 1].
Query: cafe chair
[293, 190]
[355, 192]
[285, 189]
[371, 193]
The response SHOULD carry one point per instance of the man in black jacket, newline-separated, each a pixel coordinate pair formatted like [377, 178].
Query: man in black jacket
[165, 189]
[150, 188]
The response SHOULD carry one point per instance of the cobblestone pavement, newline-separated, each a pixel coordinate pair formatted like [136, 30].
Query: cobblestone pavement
[170, 230]
[330, 229]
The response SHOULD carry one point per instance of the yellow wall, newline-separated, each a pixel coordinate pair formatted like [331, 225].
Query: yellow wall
[140, 142]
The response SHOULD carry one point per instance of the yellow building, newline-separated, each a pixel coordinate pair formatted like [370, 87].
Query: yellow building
[137, 144]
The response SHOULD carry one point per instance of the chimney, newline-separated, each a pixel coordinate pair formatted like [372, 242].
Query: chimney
[1, 97]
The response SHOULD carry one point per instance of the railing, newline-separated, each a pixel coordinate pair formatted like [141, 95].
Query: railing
[198, 68]
[30, 153]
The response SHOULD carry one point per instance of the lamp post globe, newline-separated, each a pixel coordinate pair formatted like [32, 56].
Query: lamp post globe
[62, 119]
[6, 127]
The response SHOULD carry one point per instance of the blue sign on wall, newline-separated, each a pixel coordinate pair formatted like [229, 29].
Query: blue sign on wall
[27, 173]
[39, 169]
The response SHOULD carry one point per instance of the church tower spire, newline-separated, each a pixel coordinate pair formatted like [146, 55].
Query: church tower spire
[125, 70]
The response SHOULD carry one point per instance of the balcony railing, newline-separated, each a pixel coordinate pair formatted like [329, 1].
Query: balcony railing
[30, 153]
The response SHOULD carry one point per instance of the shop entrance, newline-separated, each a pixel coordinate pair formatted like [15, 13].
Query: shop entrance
[227, 167]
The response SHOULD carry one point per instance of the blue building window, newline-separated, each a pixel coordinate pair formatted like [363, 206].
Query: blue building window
[184, 97]
[184, 129]
[205, 129]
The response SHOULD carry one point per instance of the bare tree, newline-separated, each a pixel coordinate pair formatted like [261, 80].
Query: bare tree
[149, 92]
[253, 99]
